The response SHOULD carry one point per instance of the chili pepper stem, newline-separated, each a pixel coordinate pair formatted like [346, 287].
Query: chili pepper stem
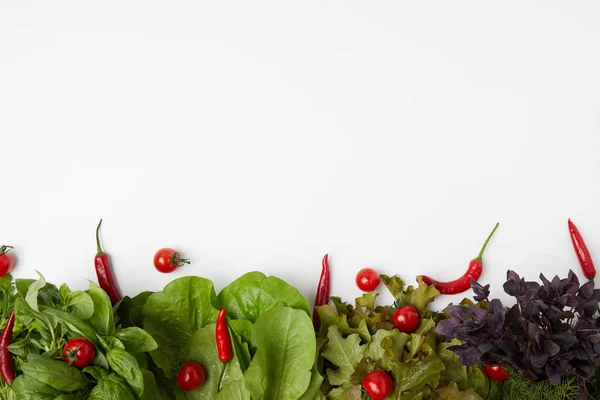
[98, 247]
[480, 255]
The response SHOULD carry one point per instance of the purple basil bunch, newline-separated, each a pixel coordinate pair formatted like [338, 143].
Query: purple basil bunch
[552, 332]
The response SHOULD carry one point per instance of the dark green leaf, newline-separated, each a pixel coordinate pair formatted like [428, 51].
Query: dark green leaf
[54, 373]
[111, 387]
[125, 365]
[136, 340]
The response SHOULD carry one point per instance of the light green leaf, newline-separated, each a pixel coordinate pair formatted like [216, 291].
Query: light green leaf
[345, 354]
[103, 318]
[394, 284]
[419, 297]
[125, 365]
[451, 392]
[253, 293]
[32, 292]
[79, 303]
[27, 387]
[281, 368]
[315, 384]
[72, 323]
[395, 338]
[202, 348]
[329, 317]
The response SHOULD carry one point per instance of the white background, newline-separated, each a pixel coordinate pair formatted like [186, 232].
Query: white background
[261, 135]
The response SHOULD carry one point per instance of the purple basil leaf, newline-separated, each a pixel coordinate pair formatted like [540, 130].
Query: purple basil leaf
[538, 360]
[511, 287]
[554, 373]
[564, 340]
[587, 290]
[479, 313]
[597, 348]
[448, 327]
[551, 348]
[485, 347]
[459, 312]
[573, 277]
[470, 357]
[585, 369]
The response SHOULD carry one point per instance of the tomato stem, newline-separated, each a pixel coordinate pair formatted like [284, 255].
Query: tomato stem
[480, 255]
[5, 249]
[98, 247]
[178, 261]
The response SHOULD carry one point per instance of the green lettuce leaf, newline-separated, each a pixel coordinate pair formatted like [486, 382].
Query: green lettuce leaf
[253, 294]
[281, 368]
[344, 354]
[173, 315]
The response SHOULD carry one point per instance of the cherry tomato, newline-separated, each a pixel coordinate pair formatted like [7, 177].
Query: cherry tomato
[497, 372]
[378, 384]
[406, 319]
[7, 261]
[79, 352]
[168, 260]
[191, 376]
[367, 279]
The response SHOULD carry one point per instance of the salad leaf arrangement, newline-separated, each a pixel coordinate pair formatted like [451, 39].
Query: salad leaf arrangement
[356, 340]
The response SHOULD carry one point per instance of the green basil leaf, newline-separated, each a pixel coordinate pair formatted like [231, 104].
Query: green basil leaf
[96, 372]
[111, 387]
[253, 293]
[116, 344]
[281, 368]
[130, 310]
[79, 303]
[22, 286]
[103, 318]
[27, 388]
[32, 292]
[127, 367]
[136, 340]
[72, 323]
[54, 373]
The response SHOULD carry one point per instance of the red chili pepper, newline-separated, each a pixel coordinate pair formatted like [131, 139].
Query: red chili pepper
[583, 254]
[222, 336]
[323, 290]
[6, 367]
[463, 283]
[104, 272]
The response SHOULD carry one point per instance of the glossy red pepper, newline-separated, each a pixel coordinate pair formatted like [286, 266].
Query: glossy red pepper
[6, 366]
[104, 273]
[583, 254]
[222, 337]
[323, 290]
[463, 283]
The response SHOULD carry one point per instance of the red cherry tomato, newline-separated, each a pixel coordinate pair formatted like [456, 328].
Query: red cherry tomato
[79, 352]
[7, 261]
[168, 260]
[406, 319]
[191, 376]
[367, 279]
[497, 372]
[378, 385]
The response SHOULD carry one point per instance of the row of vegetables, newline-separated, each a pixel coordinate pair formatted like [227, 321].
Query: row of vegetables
[255, 339]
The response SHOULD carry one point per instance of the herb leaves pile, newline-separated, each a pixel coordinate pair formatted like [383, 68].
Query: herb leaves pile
[551, 333]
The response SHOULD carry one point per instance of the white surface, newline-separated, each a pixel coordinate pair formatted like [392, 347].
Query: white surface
[261, 135]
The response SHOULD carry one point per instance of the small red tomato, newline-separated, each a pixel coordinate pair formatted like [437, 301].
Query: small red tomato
[406, 319]
[168, 260]
[7, 261]
[497, 372]
[191, 376]
[79, 352]
[378, 384]
[367, 279]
